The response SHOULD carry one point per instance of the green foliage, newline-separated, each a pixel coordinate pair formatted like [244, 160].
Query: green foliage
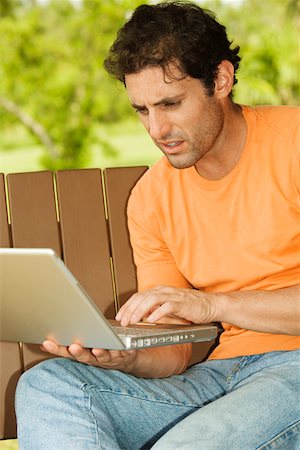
[54, 71]
[52, 78]
[267, 32]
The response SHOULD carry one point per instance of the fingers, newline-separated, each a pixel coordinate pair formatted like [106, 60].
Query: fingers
[74, 351]
[140, 305]
[110, 359]
[136, 308]
[82, 354]
[113, 359]
[155, 304]
[126, 310]
[54, 349]
[97, 356]
[166, 309]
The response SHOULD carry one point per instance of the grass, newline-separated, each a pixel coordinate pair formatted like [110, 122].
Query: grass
[9, 445]
[19, 151]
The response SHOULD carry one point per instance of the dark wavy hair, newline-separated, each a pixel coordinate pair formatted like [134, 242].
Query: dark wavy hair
[179, 32]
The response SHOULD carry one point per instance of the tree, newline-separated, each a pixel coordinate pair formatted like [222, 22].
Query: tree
[53, 79]
[268, 34]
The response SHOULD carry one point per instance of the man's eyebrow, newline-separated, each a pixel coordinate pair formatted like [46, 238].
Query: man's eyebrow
[163, 101]
[137, 107]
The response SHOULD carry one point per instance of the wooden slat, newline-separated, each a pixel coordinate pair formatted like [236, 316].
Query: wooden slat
[10, 371]
[34, 225]
[33, 214]
[4, 226]
[118, 184]
[32, 354]
[84, 234]
[10, 359]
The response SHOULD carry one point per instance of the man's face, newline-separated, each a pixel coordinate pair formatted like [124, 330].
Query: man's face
[182, 120]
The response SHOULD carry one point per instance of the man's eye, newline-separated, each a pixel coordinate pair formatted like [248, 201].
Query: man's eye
[142, 112]
[172, 105]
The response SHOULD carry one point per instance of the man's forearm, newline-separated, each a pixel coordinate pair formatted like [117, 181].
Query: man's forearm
[276, 311]
[161, 362]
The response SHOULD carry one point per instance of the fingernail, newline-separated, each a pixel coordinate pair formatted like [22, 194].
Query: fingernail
[48, 346]
[151, 318]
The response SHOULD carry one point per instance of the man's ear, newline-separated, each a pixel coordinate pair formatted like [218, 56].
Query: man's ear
[224, 80]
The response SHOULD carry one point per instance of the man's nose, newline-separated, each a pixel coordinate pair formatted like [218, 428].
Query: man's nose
[158, 124]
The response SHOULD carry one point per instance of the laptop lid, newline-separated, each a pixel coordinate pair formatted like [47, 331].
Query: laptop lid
[41, 299]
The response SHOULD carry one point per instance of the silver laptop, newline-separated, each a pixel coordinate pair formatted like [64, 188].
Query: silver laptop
[41, 299]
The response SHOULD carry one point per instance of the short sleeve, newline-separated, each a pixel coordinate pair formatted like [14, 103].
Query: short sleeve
[295, 147]
[154, 262]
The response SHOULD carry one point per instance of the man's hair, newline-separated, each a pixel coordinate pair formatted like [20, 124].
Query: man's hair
[172, 32]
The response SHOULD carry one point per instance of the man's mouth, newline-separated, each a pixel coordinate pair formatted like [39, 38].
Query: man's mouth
[171, 147]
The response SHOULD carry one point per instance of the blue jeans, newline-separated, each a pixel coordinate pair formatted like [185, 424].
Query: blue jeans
[242, 403]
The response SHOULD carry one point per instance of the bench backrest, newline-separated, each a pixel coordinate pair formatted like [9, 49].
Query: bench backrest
[81, 214]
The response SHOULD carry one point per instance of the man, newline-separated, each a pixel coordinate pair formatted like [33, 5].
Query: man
[214, 227]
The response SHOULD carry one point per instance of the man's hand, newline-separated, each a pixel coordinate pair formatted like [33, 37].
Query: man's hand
[267, 311]
[155, 304]
[146, 363]
[123, 360]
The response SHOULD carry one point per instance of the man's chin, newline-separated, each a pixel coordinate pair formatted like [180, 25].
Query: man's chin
[178, 162]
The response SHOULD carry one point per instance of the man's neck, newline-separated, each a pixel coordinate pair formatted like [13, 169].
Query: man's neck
[228, 148]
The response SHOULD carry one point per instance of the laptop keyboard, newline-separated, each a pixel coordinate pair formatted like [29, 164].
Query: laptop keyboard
[122, 331]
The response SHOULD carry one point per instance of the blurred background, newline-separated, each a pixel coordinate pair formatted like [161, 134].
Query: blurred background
[60, 109]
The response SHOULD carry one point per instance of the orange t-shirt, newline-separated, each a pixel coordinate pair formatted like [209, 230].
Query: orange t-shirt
[237, 233]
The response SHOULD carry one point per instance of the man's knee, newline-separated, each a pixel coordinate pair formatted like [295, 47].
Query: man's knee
[41, 378]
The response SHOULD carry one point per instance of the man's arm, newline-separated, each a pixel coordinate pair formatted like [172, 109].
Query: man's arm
[275, 311]
[266, 311]
[158, 362]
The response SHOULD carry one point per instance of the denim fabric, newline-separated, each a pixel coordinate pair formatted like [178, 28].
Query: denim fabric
[243, 403]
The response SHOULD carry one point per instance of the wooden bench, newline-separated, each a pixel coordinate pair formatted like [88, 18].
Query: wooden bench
[81, 214]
